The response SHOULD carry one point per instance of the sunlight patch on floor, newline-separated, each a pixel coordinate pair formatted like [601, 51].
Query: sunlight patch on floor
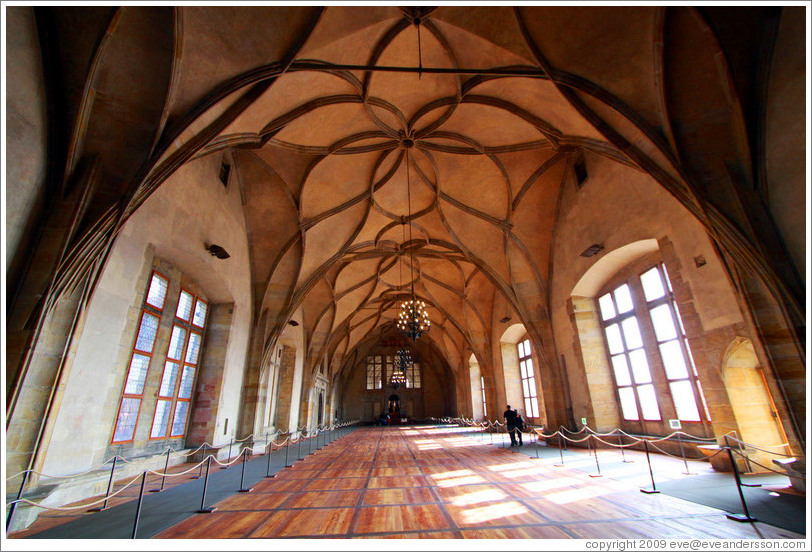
[479, 496]
[510, 466]
[575, 495]
[495, 511]
[558, 482]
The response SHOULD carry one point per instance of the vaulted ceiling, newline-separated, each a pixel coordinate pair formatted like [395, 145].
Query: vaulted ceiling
[381, 149]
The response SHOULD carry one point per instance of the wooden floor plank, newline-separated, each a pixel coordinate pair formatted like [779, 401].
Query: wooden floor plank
[426, 482]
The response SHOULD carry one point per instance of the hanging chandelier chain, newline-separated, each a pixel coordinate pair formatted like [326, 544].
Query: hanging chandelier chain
[409, 200]
[413, 319]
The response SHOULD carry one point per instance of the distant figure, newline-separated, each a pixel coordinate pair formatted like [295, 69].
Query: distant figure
[519, 426]
[510, 422]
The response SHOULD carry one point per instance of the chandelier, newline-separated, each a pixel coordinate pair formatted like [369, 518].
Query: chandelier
[403, 361]
[413, 318]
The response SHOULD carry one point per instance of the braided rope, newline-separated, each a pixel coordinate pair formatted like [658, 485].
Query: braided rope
[748, 445]
[226, 463]
[750, 460]
[83, 506]
[61, 476]
[178, 474]
[574, 432]
[205, 443]
[618, 445]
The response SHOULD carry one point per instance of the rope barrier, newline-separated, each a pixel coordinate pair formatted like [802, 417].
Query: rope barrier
[83, 506]
[61, 476]
[801, 476]
[616, 445]
[748, 445]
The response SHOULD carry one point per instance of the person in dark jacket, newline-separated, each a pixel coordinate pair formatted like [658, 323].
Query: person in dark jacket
[510, 422]
[519, 426]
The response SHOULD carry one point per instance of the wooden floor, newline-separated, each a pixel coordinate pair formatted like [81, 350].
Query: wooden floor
[425, 482]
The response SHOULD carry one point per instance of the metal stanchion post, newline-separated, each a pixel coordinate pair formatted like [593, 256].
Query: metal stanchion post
[242, 488]
[14, 504]
[200, 473]
[622, 449]
[595, 445]
[138, 506]
[560, 454]
[229, 456]
[287, 448]
[109, 486]
[738, 517]
[299, 454]
[270, 454]
[203, 509]
[653, 489]
[682, 453]
[537, 444]
[166, 467]
[746, 460]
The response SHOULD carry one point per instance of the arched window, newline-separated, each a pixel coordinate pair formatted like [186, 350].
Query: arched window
[374, 372]
[531, 401]
[180, 362]
[629, 349]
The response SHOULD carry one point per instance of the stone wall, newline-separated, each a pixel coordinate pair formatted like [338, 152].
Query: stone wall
[618, 206]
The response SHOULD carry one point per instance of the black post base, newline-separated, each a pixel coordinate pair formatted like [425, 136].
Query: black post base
[207, 510]
[245, 490]
[741, 518]
[157, 490]
[650, 491]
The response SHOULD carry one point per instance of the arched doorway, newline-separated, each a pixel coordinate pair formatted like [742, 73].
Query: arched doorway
[752, 402]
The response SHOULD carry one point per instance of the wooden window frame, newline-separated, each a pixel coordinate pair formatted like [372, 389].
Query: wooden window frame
[618, 319]
[534, 397]
[147, 308]
[190, 328]
[693, 376]
[377, 368]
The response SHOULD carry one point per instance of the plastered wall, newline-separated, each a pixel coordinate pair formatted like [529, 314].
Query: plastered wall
[191, 209]
[617, 206]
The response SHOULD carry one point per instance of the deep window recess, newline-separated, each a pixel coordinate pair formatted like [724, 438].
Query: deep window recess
[140, 358]
[680, 371]
[379, 372]
[531, 402]
[182, 359]
[625, 342]
[413, 376]
[374, 374]
[580, 172]
[225, 170]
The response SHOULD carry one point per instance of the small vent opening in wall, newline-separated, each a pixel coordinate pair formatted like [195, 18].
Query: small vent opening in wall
[580, 172]
[225, 170]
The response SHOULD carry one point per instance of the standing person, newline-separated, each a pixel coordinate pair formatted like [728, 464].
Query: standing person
[510, 422]
[519, 426]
